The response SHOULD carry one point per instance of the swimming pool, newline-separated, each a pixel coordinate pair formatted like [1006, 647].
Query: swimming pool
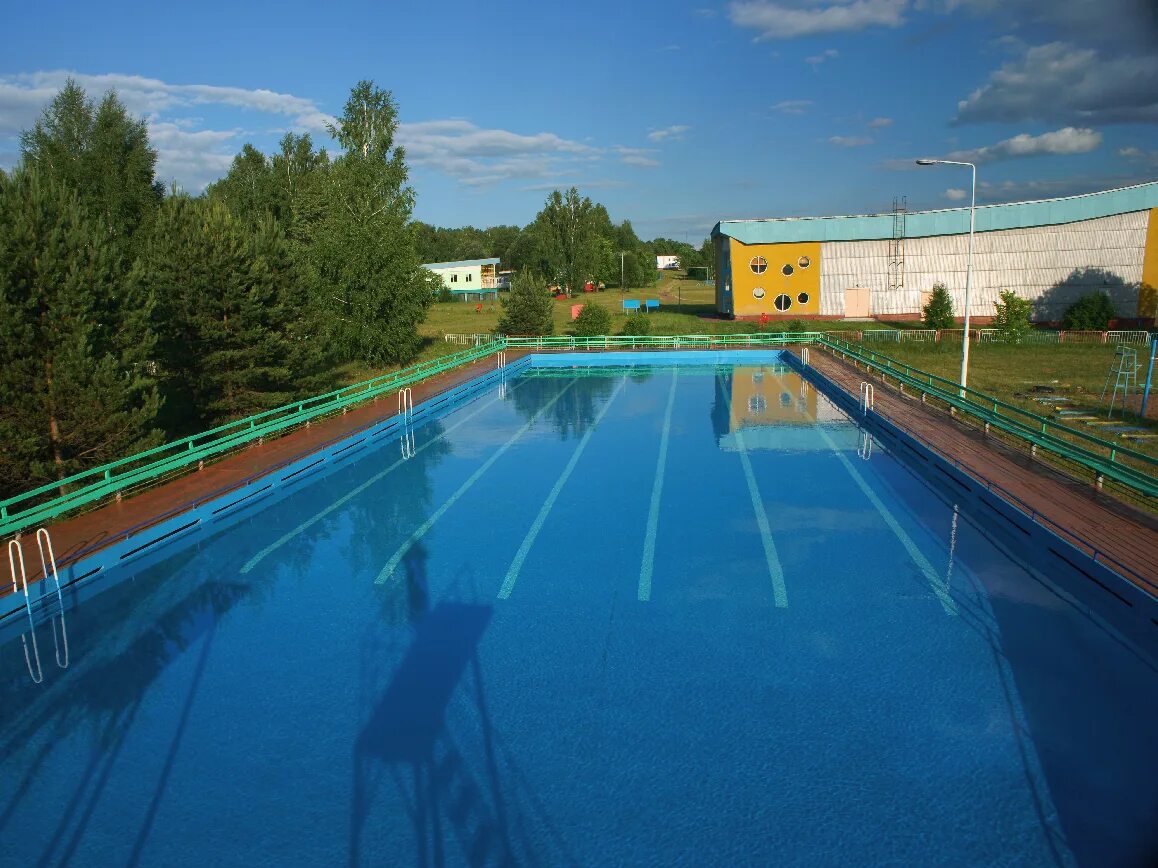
[632, 613]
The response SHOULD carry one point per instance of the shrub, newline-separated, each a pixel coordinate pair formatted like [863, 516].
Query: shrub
[444, 294]
[1091, 312]
[796, 325]
[637, 324]
[592, 321]
[939, 311]
[1012, 320]
[527, 308]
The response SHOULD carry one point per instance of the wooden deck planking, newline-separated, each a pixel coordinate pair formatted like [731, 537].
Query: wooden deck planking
[1117, 530]
[80, 535]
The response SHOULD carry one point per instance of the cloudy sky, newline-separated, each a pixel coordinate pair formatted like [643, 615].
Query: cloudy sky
[674, 114]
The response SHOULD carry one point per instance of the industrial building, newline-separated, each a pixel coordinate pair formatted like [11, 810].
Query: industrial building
[1050, 251]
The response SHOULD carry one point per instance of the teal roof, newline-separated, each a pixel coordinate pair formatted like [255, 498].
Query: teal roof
[948, 221]
[465, 263]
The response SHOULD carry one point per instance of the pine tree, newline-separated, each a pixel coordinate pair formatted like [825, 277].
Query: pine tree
[527, 308]
[99, 152]
[231, 339]
[75, 343]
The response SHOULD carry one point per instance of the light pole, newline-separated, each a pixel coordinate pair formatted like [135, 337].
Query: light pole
[968, 265]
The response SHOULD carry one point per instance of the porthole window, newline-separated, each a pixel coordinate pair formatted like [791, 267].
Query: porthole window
[759, 264]
[804, 262]
[758, 292]
[802, 298]
[785, 399]
[786, 270]
[782, 302]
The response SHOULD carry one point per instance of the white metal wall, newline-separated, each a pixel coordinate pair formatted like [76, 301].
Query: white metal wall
[1053, 265]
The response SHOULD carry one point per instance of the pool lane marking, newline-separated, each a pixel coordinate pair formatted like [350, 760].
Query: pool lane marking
[645, 570]
[537, 525]
[931, 575]
[392, 564]
[775, 570]
[342, 501]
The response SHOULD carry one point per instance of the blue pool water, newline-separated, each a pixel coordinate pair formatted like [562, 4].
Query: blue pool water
[635, 615]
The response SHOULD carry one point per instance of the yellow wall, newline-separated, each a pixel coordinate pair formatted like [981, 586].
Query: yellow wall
[1148, 295]
[773, 281]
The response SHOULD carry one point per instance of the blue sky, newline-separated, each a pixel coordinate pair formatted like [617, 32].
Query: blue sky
[674, 115]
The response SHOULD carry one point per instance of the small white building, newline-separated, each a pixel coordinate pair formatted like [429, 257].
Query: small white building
[666, 261]
[469, 279]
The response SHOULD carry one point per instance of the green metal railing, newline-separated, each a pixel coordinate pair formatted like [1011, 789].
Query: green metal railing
[1103, 457]
[89, 487]
[34, 507]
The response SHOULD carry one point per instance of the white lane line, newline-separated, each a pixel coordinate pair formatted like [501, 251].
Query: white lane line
[936, 584]
[346, 498]
[779, 591]
[645, 570]
[388, 570]
[529, 540]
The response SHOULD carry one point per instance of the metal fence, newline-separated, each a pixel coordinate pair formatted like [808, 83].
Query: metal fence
[470, 340]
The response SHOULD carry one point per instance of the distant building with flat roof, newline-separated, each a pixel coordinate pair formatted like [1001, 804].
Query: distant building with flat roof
[469, 278]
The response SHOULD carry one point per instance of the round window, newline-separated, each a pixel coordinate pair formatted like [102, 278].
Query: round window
[785, 399]
[786, 270]
[758, 292]
[757, 404]
[804, 262]
[782, 302]
[802, 298]
[759, 264]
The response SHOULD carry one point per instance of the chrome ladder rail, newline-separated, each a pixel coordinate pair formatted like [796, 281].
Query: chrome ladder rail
[15, 555]
[44, 544]
[866, 397]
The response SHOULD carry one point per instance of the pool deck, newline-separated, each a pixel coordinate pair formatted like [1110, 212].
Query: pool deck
[83, 534]
[1069, 507]
[1122, 533]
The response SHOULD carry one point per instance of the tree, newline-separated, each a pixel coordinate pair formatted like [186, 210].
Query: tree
[102, 154]
[1012, 319]
[527, 308]
[593, 320]
[637, 324]
[75, 346]
[939, 311]
[1091, 312]
[369, 290]
[567, 239]
[232, 341]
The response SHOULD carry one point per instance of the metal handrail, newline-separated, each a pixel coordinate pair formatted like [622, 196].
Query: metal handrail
[100, 482]
[1039, 432]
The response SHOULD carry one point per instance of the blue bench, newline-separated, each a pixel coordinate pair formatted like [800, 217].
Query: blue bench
[630, 304]
[652, 304]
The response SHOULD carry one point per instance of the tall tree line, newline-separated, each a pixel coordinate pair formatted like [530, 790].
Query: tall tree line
[128, 315]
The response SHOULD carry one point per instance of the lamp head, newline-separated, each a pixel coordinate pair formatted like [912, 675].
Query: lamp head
[926, 162]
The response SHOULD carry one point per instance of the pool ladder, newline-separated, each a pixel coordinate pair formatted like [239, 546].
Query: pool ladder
[19, 574]
[406, 411]
[866, 397]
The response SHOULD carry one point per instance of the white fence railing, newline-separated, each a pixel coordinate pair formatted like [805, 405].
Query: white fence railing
[470, 340]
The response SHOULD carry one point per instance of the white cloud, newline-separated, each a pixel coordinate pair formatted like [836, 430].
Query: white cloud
[850, 141]
[792, 106]
[817, 59]
[1060, 82]
[639, 157]
[1138, 155]
[1068, 140]
[675, 132]
[880, 123]
[192, 158]
[598, 184]
[955, 194]
[787, 19]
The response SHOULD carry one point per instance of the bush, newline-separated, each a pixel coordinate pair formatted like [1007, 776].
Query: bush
[592, 321]
[527, 308]
[637, 324]
[939, 311]
[1091, 312]
[444, 294]
[1012, 320]
[796, 325]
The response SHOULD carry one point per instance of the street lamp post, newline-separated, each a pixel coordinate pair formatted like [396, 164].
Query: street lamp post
[968, 265]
